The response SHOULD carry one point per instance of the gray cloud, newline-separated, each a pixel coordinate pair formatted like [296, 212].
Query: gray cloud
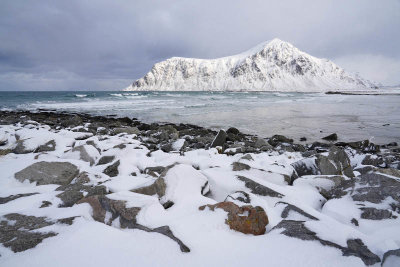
[100, 45]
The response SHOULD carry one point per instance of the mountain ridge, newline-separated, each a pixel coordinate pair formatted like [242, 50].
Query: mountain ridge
[270, 66]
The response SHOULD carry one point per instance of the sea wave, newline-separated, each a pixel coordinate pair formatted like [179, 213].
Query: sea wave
[80, 95]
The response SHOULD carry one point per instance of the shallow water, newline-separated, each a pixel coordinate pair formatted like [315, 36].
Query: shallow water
[313, 115]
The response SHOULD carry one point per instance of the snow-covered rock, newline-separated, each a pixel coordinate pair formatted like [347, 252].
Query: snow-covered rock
[271, 66]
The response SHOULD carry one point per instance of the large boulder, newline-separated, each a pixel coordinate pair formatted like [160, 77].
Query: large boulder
[246, 219]
[118, 210]
[44, 172]
[219, 139]
[336, 163]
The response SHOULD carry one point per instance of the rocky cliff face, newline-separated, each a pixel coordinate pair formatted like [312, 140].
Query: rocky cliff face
[270, 66]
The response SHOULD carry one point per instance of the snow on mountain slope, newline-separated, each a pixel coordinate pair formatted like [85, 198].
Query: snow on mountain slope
[270, 66]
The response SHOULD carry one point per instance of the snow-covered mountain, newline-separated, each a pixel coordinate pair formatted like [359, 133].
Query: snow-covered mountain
[271, 66]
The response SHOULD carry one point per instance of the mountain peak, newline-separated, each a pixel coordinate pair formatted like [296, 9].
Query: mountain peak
[274, 65]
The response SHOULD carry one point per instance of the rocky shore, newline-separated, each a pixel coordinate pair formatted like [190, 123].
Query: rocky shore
[191, 188]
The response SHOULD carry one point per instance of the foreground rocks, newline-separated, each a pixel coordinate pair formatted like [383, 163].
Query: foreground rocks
[138, 176]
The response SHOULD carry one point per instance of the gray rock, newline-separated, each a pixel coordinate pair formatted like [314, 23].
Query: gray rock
[19, 234]
[84, 155]
[49, 146]
[154, 171]
[247, 157]
[219, 139]
[112, 170]
[376, 214]
[21, 149]
[71, 121]
[127, 217]
[75, 192]
[238, 166]
[259, 189]
[48, 173]
[262, 144]
[278, 139]
[336, 163]
[105, 160]
[355, 247]
[239, 196]
[127, 130]
[232, 130]
[372, 160]
[291, 208]
[4, 200]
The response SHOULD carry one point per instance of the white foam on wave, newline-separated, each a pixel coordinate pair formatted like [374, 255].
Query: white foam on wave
[80, 95]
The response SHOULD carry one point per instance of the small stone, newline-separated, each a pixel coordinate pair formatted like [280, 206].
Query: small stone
[112, 170]
[105, 160]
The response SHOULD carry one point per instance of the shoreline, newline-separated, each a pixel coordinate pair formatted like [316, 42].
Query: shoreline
[65, 174]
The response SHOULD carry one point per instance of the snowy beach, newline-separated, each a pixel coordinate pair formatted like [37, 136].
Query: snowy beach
[160, 194]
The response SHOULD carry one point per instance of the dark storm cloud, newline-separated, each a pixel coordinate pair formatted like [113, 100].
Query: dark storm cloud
[56, 45]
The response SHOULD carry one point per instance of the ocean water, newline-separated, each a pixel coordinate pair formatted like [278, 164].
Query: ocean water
[312, 115]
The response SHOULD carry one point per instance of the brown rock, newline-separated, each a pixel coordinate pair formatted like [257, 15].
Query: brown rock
[246, 219]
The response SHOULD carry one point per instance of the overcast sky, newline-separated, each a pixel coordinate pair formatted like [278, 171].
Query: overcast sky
[105, 45]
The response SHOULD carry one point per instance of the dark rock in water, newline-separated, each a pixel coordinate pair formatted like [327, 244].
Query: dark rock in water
[48, 173]
[112, 170]
[239, 196]
[238, 166]
[220, 139]
[4, 200]
[246, 219]
[355, 247]
[303, 139]
[375, 214]
[19, 234]
[127, 216]
[105, 160]
[49, 146]
[392, 144]
[331, 137]
[232, 130]
[392, 256]
[259, 189]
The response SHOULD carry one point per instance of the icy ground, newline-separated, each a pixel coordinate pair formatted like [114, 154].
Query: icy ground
[87, 242]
